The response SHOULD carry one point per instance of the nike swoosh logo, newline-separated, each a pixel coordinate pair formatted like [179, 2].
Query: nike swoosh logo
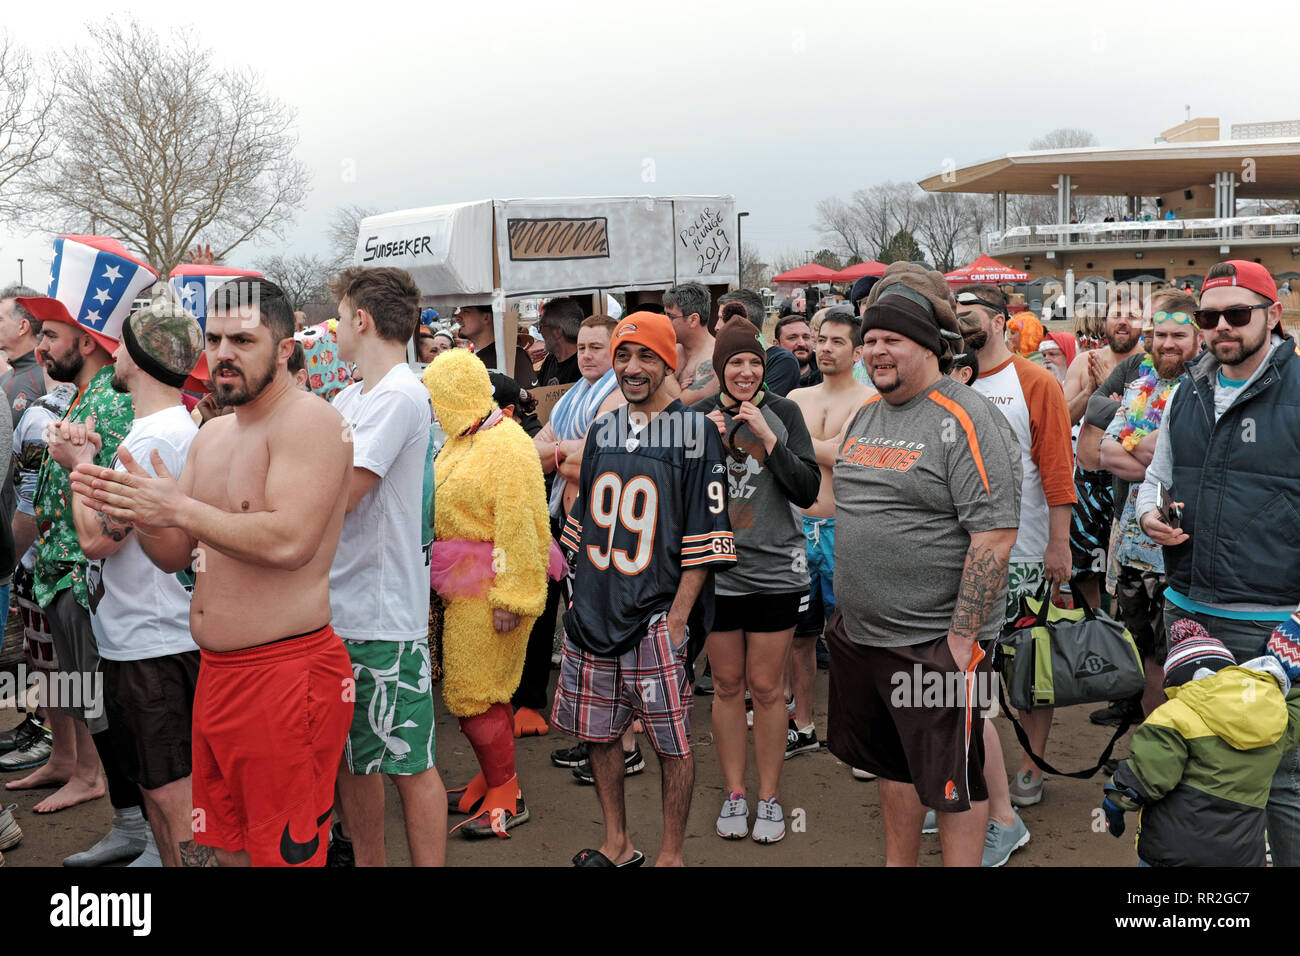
[293, 852]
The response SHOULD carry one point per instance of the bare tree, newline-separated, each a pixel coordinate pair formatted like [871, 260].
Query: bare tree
[788, 259]
[1065, 137]
[301, 277]
[24, 127]
[757, 272]
[160, 147]
[344, 226]
[842, 225]
[942, 225]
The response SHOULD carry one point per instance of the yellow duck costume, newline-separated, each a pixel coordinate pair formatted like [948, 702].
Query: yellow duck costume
[490, 494]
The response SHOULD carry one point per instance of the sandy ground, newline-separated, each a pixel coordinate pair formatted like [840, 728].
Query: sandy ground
[841, 816]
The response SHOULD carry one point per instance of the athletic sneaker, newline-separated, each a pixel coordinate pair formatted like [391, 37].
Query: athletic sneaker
[704, 683]
[749, 711]
[931, 822]
[340, 853]
[34, 755]
[11, 833]
[800, 741]
[633, 764]
[733, 821]
[570, 756]
[769, 826]
[1026, 790]
[1001, 841]
[22, 736]
[1113, 714]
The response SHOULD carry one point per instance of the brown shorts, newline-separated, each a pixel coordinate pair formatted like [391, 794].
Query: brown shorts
[907, 714]
[150, 706]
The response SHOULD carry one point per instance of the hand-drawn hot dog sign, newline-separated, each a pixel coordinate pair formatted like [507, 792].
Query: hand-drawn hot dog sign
[705, 238]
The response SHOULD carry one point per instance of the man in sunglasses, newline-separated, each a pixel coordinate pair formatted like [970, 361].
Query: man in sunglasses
[1228, 454]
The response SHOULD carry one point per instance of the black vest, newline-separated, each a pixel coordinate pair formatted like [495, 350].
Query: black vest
[1239, 478]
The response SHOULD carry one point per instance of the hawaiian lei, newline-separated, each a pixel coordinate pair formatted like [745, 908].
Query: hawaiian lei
[1148, 405]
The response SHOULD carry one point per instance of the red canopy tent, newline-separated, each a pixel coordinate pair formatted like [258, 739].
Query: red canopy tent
[853, 273]
[985, 269]
[809, 273]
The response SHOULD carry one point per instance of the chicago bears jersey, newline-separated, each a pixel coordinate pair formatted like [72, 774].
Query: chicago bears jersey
[652, 502]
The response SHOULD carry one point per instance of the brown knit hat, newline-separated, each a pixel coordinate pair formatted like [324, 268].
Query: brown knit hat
[737, 336]
[917, 303]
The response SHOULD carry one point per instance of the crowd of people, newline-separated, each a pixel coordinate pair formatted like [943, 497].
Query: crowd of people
[252, 594]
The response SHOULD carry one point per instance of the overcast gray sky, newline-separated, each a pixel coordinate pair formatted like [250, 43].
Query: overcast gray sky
[778, 103]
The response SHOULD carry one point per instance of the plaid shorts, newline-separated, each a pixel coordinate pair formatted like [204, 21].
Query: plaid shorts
[597, 698]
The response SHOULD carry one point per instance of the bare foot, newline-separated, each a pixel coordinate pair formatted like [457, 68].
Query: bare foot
[47, 775]
[75, 791]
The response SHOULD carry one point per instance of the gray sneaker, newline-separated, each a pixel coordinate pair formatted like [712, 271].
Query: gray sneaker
[1026, 789]
[733, 821]
[769, 827]
[10, 833]
[126, 839]
[931, 822]
[30, 757]
[1001, 841]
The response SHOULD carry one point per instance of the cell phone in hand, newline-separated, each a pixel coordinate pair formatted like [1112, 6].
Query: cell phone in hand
[1171, 513]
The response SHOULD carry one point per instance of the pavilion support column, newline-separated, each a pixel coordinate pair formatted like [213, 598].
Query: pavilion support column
[1001, 212]
[1062, 199]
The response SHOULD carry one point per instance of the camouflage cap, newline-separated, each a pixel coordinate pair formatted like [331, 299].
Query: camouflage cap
[164, 340]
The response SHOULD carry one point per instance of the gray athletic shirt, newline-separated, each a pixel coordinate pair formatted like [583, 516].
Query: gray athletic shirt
[770, 553]
[913, 482]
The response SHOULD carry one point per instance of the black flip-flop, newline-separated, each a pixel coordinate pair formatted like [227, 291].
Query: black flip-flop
[596, 858]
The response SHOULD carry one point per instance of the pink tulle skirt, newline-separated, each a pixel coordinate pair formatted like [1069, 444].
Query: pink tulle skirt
[460, 568]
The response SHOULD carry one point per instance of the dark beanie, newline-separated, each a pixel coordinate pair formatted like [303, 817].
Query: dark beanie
[861, 289]
[898, 313]
[737, 336]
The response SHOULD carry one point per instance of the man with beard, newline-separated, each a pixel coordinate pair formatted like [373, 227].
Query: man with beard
[94, 281]
[795, 336]
[1091, 517]
[259, 508]
[141, 616]
[1228, 452]
[1031, 400]
[920, 591]
[1126, 450]
[649, 523]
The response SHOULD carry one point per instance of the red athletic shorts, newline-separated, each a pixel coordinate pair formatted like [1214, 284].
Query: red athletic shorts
[269, 726]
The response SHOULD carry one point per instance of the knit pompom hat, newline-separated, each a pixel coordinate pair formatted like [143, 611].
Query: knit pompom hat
[1190, 649]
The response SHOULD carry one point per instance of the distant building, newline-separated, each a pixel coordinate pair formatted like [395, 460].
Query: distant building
[1189, 171]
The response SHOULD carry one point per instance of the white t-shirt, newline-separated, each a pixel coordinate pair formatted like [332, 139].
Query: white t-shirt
[379, 582]
[137, 610]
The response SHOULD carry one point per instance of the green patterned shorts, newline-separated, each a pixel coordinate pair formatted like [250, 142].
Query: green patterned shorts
[392, 720]
[1024, 579]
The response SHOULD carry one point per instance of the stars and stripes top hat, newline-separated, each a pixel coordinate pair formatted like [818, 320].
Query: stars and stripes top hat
[193, 285]
[93, 283]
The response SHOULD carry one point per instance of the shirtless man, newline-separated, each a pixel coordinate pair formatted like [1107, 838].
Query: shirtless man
[826, 408]
[687, 305]
[1090, 368]
[1090, 518]
[258, 508]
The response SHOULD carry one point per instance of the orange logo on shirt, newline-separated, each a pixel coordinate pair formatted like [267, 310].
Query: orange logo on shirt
[881, 456]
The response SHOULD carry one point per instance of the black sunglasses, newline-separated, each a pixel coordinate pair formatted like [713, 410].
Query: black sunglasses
[1237, 315]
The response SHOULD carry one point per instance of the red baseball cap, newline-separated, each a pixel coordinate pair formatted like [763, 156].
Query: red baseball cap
[44, 309]
[1248, 275]
[650, 329]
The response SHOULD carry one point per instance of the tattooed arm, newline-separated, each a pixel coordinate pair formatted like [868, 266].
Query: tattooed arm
[196, 854]
[703, 383]
[982, 591]
[100, 535]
